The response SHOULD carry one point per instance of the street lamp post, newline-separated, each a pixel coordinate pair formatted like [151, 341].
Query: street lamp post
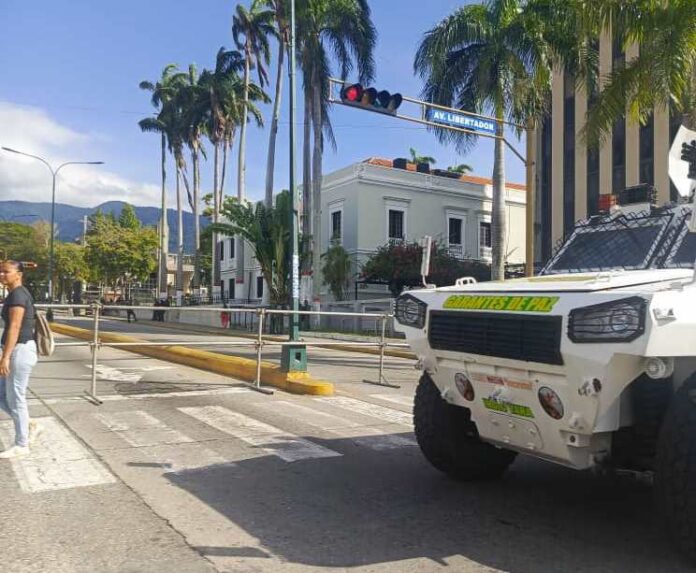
[54, 173]
[293, 357]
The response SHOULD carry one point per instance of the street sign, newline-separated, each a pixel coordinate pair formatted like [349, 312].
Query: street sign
[463, 120]
[678, 168]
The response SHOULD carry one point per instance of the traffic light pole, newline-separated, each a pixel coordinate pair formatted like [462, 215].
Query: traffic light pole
[443, 117]
[293, 356]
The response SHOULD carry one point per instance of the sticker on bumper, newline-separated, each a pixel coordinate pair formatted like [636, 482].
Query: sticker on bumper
[501, 302]
[508, 408]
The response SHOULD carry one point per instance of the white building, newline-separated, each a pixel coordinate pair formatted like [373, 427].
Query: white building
[368, 204]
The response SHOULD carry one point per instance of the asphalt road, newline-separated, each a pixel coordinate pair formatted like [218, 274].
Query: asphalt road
[182, 470]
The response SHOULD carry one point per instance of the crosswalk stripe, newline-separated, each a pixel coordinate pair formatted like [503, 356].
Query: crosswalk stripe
[140, 429]
[56, 460]
[146, 396]
[366, 436]
[367, 409]
[272, 440]
[395, 398]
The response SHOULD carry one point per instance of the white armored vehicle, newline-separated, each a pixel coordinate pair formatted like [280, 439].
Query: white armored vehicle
[590, 364]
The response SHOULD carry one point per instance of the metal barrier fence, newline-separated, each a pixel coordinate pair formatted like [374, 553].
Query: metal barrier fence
[258, 343]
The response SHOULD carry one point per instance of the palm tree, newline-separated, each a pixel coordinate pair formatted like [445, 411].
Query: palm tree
[193, 125]
[220, 104]
[664, 72]
[415, 158]
[279, 8]
[164, 93]
[251, 30]
[217, 89]
[462, 168]
[343, 28]
[491, 59]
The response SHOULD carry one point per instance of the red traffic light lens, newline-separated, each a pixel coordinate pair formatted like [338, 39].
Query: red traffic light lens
[352, 93]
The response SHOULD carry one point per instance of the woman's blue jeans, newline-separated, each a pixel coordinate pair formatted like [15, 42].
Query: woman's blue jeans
[13, 389]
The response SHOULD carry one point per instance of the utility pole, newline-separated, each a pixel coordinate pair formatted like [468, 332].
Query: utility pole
[294, 356]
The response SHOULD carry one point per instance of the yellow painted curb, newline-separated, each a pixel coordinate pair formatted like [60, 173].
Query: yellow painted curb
[234, 366]
[345, 348]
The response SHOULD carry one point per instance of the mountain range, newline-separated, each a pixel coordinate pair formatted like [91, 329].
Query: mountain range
[69, 219]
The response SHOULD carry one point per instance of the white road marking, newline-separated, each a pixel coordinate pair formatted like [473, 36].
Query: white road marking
[140, 429]
[114, 374]
[56, 461]
[395, 398]
[122, 397]
[367, 409]
[175, 458]
[366, 436]
[270, 439]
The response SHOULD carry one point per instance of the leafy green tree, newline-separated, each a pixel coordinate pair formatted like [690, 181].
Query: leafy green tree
[114, 252]
[26, 243]
[398, 266]
[336, 271]
[69, 266]
[415, 158]
[128, 219]
[491, 59]
[267, 230]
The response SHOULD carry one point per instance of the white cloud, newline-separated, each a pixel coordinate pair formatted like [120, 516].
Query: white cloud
[32, 130]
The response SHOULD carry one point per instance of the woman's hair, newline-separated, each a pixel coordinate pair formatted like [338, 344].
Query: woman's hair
[18, 265]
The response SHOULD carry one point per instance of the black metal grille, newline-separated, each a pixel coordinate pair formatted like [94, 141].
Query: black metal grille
[519, 337]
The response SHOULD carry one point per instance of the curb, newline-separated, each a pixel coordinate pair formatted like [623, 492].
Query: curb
[225, 332]
[234, 366]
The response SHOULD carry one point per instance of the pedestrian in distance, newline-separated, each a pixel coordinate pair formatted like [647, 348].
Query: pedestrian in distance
[18, 357]
[130, 313]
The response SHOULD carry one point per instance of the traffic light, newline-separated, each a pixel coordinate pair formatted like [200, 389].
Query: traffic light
[371, 99]
[688, 154]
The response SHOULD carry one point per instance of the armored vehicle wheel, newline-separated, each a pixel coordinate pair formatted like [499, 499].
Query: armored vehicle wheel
[675, 468]
[449, 439]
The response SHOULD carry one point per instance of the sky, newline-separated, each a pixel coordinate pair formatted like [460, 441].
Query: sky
[69, 92]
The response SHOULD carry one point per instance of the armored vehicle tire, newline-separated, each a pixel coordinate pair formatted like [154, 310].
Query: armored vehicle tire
[675, 468]
[449, 439]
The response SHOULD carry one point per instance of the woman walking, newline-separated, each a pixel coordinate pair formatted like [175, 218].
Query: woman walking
[17, 356]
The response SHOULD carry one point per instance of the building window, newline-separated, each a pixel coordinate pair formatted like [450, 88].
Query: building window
[484, 235]
[232, 248]
[647, 151]
[618, 136]
[568, 152]
[230, 290]
[618, 156]
[336, 226]
[593, 151]
[396, 224]
[221, 246]
[259, 287]
[455, 231]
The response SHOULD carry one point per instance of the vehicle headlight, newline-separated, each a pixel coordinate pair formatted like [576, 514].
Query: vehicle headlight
[410, 311]
[616, 321]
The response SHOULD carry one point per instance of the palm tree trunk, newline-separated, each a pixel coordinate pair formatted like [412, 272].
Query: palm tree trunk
[225, 146]
[270, 165]
[307, 167]
[498, 226]
[196, 222]
[241, 165]
[316, 190]
[215, 260]
[163, 223]
[179, 239]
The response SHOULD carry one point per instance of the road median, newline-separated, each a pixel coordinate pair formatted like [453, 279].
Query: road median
[234, 366]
